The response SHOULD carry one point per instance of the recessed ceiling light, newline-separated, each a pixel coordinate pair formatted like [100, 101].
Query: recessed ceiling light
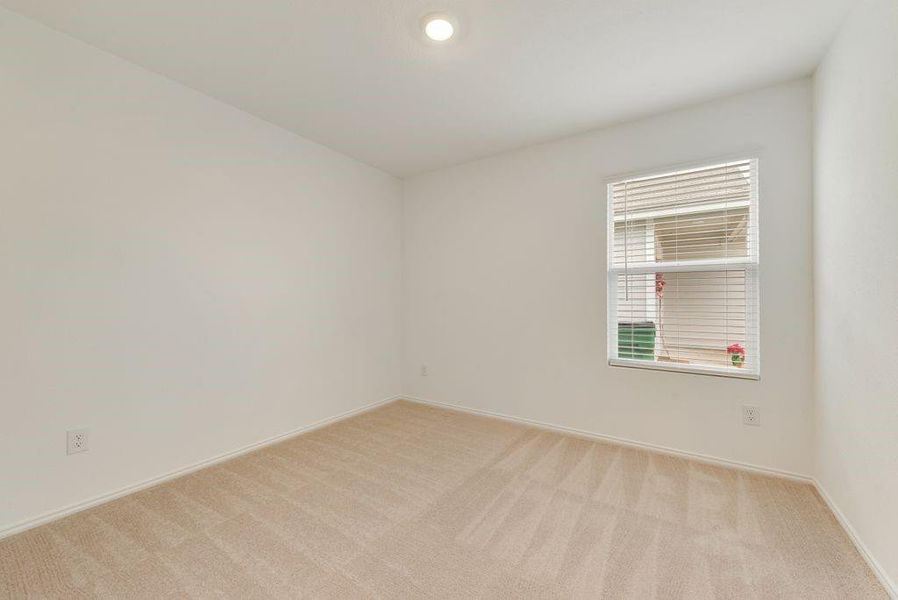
[439, 29]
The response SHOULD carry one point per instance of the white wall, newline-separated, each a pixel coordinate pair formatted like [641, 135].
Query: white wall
[856, 276]
[176, 275]
[504, 285]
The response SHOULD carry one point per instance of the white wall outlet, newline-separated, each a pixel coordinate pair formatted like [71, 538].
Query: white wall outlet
[76, 441]
[423, 370]
[751, 415]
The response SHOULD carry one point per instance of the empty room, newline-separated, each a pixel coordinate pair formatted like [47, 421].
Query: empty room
[465, 299]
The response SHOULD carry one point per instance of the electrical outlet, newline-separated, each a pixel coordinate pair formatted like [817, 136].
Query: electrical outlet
[751, 415]
[76, 441]
[423, 370]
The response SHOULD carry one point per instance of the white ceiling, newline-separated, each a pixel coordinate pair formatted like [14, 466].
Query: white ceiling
[356, 75]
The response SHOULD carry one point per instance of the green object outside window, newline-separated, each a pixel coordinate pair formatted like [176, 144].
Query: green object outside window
[636, 340]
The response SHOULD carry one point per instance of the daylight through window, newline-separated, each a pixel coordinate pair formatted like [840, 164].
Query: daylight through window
[683, 270]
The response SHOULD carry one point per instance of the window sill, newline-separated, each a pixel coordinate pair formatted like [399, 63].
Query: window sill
[733, 373]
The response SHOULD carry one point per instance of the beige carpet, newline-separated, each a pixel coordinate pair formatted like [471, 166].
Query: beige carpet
[410, 501]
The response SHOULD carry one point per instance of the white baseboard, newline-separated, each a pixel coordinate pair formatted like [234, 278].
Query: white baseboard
[703, 458]
[877, 569]
[97, 500]
[887, 583]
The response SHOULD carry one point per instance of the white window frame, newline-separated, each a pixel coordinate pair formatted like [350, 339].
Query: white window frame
[751, 265]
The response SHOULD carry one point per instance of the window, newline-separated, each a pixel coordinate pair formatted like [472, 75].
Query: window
[683, 270]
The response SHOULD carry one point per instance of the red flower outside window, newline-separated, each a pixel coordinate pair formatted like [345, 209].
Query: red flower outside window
[737, 354]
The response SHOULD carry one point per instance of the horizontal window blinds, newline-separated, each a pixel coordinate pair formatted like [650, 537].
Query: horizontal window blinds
[683, 270]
